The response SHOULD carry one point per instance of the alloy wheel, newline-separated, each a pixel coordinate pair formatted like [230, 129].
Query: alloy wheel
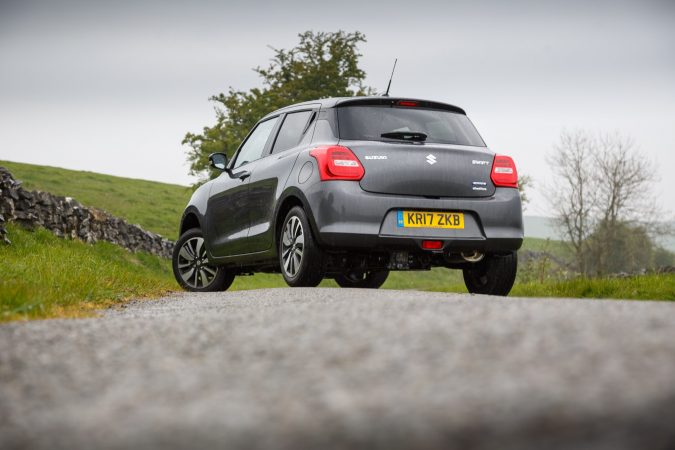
[292, 246]
[193, 264]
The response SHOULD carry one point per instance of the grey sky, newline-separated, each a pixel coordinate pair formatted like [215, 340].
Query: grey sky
[113, 86]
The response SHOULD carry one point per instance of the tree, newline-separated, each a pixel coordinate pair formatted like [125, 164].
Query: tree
[623, 200]
[323, 64]
[573, 196]
[619, 247]
[601, 198]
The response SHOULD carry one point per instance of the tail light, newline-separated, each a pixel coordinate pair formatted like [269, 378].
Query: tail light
[337, 163]
[504, 173]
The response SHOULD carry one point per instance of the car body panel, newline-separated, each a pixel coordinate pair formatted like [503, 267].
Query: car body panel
[228, 219]
[436, 170]
[348, 217]
[265, 188]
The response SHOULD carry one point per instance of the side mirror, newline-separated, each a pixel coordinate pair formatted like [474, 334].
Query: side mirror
[218, 161]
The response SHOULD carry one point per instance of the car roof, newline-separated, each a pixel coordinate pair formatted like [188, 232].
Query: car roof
[332, 102]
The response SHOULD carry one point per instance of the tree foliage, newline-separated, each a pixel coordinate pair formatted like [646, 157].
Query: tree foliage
[323, 64]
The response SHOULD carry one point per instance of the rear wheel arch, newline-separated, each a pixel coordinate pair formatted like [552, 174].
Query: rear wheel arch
[301, 260]
[293, 197]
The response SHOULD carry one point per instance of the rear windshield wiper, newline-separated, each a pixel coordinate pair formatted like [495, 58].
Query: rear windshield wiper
[405, 135]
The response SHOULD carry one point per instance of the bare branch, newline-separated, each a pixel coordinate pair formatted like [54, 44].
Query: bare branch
[601, 194]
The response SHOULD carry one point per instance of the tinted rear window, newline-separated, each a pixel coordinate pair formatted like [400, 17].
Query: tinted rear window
[367, 123]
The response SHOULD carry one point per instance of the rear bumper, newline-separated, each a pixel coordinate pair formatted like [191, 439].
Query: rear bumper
[346, 217]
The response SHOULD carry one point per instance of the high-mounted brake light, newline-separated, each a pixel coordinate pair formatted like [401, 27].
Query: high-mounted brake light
[407, 103]
[337, 163]
[504, 173]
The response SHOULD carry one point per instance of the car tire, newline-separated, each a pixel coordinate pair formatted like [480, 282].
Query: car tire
[301, 261]
[363, 280]
[494, 275]
[191, 268]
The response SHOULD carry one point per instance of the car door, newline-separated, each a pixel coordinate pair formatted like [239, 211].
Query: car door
[228, 217]
[270, 175]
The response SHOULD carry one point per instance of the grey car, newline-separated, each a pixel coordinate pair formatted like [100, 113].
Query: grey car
[351, 189]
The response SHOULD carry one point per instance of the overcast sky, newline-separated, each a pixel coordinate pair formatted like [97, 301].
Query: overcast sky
[113, 86]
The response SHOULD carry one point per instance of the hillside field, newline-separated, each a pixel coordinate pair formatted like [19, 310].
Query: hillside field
[157, 207]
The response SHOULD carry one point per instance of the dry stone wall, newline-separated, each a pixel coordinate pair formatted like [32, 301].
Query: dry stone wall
[65, 217]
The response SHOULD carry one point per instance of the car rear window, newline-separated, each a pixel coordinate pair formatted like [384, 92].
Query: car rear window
[368, 123]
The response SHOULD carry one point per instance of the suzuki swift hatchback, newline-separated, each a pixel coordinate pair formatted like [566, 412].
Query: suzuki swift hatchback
[351, 189]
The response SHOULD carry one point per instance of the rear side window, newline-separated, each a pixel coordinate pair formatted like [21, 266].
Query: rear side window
[368, 123]
[292, 130]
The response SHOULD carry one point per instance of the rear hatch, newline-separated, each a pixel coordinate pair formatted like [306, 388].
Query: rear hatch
[415, 147]
[425, 170]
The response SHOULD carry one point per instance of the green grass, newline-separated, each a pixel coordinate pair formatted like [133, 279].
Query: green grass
[643, 287]
[157, 207]
[44, 276]
[434, 280]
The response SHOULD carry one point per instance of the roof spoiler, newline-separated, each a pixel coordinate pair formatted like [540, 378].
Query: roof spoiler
[388, 101]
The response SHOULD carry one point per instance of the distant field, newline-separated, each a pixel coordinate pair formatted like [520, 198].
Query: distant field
[157, 207]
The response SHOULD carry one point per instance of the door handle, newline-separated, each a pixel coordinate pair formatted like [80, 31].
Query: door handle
[243, 175]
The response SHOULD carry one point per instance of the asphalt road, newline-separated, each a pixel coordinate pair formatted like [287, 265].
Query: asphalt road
[330, 368]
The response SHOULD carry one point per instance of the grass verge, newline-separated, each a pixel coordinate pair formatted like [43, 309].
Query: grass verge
[643, 287]
[44, 276]
[434, 280]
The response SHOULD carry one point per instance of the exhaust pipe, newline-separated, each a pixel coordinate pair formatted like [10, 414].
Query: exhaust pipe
[473, 257]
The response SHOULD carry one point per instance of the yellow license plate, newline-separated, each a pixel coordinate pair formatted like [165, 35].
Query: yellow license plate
[430, 219]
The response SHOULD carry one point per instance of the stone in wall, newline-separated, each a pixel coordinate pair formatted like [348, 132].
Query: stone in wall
[65, 217]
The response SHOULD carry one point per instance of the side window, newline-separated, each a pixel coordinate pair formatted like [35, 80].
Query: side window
[255, 144]
[292, 130]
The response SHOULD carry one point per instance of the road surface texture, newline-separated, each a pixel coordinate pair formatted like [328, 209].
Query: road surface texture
[331, 368]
